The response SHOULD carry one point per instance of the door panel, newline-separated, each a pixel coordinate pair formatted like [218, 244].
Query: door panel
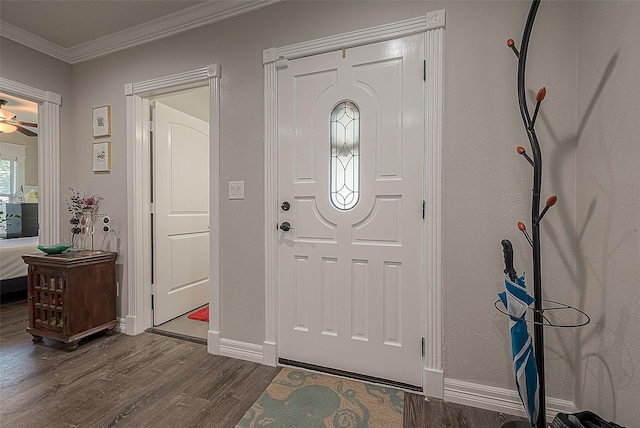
[349, 279]
[311, 225]
[181, 220]
[382, 225]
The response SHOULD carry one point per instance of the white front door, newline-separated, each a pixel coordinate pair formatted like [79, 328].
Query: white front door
[350, 153]
[181, 220]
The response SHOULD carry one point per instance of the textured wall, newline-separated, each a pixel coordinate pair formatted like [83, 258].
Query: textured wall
[608, 209]
[487, 185]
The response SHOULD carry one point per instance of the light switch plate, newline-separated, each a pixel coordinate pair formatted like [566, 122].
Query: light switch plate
[236, 190]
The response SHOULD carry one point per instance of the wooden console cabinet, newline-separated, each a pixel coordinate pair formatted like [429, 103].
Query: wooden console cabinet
[71, 295]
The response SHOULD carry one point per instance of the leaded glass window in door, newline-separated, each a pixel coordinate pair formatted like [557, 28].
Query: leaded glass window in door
[345, 155]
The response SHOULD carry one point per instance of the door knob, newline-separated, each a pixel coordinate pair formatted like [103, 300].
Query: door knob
[285, 206]
[285, 226]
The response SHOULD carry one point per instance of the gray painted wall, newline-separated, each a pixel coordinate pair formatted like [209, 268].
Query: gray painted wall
[608, 209]
[486, 184]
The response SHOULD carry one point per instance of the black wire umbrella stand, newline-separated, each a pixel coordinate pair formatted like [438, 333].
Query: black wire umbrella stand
[539, 319]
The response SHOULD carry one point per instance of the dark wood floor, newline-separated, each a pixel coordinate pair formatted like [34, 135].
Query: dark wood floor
[431, 413]
[150, 381]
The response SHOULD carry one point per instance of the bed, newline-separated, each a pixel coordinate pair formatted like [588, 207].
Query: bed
[13, 270]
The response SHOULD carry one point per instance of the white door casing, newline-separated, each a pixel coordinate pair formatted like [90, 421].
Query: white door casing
[48, 156]
[276, 59]
[181, 217]
[139, 315]
[350, 279]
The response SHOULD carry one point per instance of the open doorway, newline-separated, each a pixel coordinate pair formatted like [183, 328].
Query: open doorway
[18, 191]
[180, 226]
[139, 96]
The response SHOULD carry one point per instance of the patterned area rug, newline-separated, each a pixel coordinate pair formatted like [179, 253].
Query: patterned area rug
[301, 399]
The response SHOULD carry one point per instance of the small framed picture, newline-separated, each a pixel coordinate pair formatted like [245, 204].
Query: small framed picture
[101, 120]
[102, 157]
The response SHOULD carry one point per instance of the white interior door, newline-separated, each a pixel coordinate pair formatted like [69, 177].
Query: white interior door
[350, 153]
[181, 219]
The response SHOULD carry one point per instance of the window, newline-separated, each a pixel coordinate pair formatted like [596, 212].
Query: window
[8, 178]
[345, 155]
[12, 171]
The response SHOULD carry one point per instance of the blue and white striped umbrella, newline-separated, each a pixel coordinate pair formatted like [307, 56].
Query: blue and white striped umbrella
[516, 300]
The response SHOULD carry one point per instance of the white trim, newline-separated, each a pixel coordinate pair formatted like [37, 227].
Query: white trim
[433, 25]
[138, 213]
[214, 74]
[213, 342]
[498, 399]
[122, 325]
[196, 16]
[433, 383]
[432, 238]
[270, 354]
[241, 350]
[431, 21]
[139, 316]
[48, 156]
[25, 38]
[271, 213]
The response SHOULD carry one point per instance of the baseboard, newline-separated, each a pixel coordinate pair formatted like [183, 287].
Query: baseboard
[241, 350]
[498, 399]
[270, 354]
[213, 342]
[433, 383]
[122, 325]
[130, 325]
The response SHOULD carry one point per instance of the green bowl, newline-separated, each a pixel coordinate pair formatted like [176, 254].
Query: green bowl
[53, 249]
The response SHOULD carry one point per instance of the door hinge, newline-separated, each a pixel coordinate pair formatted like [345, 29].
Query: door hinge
[424, 70]
[152, 287]
[152, 208]
[424, 208]
[423, 346]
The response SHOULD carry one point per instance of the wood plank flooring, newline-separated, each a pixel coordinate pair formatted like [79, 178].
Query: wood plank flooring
[151, 381]
[432, 413]
[131, 381]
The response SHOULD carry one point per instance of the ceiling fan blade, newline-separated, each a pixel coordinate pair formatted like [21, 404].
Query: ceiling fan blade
[29, 124]
[25, 131]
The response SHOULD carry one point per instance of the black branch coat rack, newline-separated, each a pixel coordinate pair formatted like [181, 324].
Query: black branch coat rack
[536, 216]
[535, 160]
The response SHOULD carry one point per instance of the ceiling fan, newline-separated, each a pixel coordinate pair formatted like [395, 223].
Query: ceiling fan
[9, 123]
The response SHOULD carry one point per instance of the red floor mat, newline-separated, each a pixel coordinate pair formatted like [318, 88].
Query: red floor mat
[200, 314]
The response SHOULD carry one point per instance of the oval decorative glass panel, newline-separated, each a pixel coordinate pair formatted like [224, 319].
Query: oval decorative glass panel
[345, 155]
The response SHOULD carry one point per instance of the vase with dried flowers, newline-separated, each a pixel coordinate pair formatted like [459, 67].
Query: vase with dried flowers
[81, 206]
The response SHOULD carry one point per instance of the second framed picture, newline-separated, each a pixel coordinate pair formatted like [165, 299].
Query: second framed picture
[101, 121]
[102, 157]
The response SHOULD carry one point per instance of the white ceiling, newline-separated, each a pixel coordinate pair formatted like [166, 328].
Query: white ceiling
[80, 30]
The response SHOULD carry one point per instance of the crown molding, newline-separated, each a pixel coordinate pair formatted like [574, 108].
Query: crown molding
[188, 19]
[34, 42]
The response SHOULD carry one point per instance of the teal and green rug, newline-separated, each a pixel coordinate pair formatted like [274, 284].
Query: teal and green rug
[301, 399]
